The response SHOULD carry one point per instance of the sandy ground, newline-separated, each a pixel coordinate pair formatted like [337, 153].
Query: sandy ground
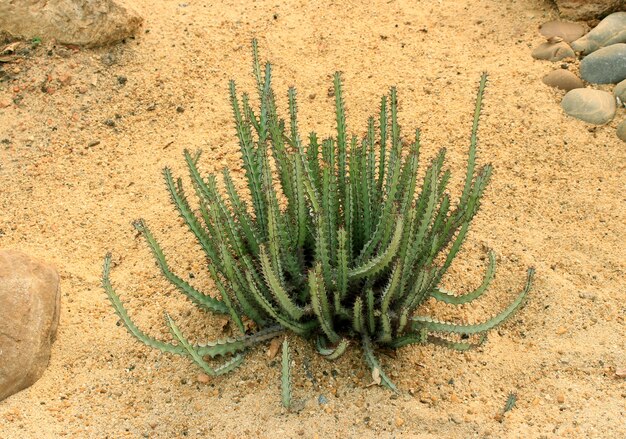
[71, 185]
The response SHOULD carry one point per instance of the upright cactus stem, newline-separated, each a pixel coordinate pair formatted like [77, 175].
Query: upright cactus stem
[336, 239]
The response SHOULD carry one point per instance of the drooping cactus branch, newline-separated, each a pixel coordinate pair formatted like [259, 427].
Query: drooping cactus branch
[358, 248]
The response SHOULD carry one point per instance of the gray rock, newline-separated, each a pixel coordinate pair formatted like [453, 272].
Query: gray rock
[621, 130]
[566, 30]
[553, 51]
[605, 66]
[592, 106]
[29, 316]
[620, 92]
[611, 30]
[563, 79]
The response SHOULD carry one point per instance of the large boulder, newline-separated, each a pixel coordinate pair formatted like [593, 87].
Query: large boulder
[588, 9]
[81, 22]
[29, 316]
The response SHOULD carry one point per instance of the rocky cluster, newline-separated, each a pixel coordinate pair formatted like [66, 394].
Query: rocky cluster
[603, 53]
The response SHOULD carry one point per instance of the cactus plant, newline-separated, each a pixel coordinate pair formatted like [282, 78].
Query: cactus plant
[335, 239]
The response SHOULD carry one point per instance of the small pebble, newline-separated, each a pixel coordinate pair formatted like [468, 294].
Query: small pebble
[593, 106]
[553, 51]
[109, 123]
[620, 91]
[399, 421]
[587, 295]
[93, 143]
[274, 348]
[454, 398]
[108, 59]
[563, 79]
[151, 107]
[82, 89]
[5, 102]
[202, 378]
[65, 78]
[322, 400]
[121, 80]
[561, 330]
[566, 30]
[621, 130]
[180, 109]
[456, 419]
[560, 398]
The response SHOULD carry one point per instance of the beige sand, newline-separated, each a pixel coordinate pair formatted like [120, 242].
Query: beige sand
[556, 203]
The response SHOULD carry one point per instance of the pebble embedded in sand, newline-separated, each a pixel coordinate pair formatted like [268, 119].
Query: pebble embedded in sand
[620, 91]
[560, 398]
[566, 30]
[563, 79]
[202, 378]
[621, 130]
[553, 51]
[605, 66]
[592, 106]
[275, 345]
[611, 30]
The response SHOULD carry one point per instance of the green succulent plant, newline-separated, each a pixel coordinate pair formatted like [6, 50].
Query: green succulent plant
[335, 241]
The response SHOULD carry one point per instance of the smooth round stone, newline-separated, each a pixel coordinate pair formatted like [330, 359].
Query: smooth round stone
[621, 130]
[592, 106]
[605, 66]
[620, 92]
[611, 30]
[563, 79]
[30, 302]
[563, 29]
[553, 51]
